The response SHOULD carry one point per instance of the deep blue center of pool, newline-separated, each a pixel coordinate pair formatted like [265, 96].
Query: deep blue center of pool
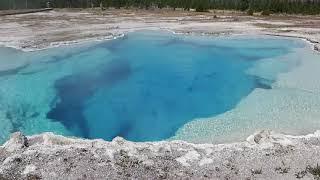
[154, 84]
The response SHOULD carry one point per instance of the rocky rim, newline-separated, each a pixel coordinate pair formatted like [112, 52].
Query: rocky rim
[265, 155]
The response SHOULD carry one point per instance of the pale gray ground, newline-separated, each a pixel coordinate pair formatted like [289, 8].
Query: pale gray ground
[62, 27]
[265, 155]
[45, 29]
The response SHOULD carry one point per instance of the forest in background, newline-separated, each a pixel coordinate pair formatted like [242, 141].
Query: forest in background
[270, 6]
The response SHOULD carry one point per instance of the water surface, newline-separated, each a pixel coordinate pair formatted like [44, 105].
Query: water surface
[142, 87]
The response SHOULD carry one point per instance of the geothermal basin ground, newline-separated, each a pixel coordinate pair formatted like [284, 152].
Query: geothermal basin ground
[155, 75]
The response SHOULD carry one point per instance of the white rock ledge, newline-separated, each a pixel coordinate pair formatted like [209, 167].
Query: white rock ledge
[265, 155]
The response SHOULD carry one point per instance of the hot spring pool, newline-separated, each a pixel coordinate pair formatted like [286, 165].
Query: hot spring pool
[143, 87]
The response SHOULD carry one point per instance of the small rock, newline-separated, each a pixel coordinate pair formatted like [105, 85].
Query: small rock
[257, 138]
[267, 138]
[29, 169]
[118, 140]
[16, 142]
[317, 48]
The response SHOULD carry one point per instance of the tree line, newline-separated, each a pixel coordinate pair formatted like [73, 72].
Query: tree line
[275, 6]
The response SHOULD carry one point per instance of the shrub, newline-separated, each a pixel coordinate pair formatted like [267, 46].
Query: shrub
[266, 13]
[250, 12]
[201, 9]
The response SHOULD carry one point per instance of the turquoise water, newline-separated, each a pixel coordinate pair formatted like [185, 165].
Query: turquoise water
[142, 87]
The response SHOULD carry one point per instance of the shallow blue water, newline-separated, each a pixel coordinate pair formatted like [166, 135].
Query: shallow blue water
[142, 87]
